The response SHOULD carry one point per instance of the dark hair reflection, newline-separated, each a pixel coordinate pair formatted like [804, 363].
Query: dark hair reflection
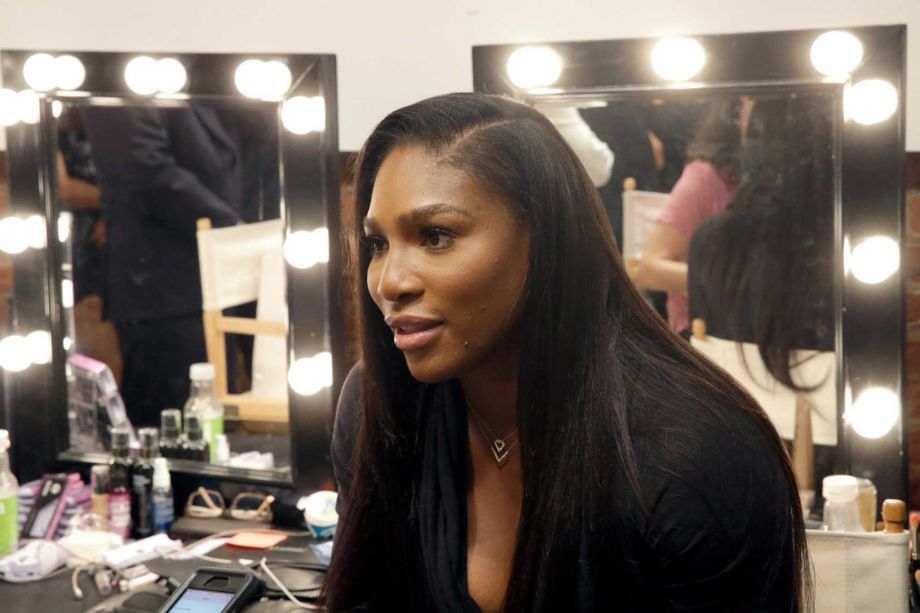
[593, 354]
[762, 271]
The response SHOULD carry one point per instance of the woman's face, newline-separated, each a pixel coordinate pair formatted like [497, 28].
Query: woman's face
[448, 262]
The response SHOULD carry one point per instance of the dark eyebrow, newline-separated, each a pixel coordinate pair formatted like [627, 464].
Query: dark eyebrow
[416, 215]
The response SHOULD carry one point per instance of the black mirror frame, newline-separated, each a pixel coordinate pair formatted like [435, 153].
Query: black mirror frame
[869, 197]
[37, 396]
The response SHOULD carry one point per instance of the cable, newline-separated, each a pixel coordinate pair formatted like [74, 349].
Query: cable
[299, 604]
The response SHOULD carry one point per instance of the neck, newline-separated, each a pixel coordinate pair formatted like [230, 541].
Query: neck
[492, 393]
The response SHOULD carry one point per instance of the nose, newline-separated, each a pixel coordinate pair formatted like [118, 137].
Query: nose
[398, 280]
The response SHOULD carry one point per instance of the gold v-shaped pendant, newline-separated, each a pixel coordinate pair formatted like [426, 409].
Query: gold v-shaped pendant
[501, 450]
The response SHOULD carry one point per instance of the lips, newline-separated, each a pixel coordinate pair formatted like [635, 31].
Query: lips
[411, 333]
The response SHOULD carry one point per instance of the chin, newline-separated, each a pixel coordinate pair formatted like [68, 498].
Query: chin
[427, 370]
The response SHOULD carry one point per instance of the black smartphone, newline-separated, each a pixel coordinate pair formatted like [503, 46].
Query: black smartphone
[214, 590]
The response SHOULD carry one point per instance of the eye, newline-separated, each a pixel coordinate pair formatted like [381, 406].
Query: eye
[373, 245]
[437, 238]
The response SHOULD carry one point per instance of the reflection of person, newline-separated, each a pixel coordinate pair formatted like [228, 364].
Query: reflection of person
[78, 192]
[520, 408]
[703, 190]
[160, 170]
[762, 271]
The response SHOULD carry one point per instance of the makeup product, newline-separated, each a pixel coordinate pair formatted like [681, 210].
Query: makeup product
[867, 503]
[142, 483]
[163, 511]
[894, 512]
[99, 480]
[49, 506]
[120, 467]
[170, 430]
[914, 523]
[194, 447]
[9, 500]
[841, 513]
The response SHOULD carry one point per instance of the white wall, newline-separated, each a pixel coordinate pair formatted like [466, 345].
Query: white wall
[391, 53]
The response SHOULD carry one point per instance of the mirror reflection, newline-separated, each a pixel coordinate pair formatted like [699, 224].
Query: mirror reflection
[174, 272]
[723, 208]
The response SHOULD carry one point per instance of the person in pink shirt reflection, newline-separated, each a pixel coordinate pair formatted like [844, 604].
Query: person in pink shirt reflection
[704, 189]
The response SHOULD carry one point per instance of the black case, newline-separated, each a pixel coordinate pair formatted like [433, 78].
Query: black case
[244, 586]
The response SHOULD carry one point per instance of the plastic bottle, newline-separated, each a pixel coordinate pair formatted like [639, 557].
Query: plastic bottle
[99, 480]
[163, 502]
[203, 401]
[841, 514]
[142, 483]
[194, 447]
[170, 429]
[120, 467]
[9, 500]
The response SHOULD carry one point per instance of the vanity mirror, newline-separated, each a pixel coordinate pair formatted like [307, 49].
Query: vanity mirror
[774, 163]
[167, 210]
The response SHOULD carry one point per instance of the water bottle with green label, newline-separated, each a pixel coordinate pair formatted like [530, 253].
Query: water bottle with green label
[9, 500]
[203, 402]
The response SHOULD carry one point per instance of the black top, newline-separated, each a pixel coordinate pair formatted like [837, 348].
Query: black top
[700, 539]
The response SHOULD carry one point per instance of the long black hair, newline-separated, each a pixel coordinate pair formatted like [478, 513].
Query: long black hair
[592, 354]
[762, 271]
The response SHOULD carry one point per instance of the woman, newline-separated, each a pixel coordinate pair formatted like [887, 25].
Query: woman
[524, 433]
[704, 189]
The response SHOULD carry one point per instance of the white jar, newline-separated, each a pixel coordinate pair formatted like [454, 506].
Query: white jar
[841, 513]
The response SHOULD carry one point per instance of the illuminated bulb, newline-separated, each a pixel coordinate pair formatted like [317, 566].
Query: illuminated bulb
[836, 54]
[304, 249]
[69, 72]
[9, 107]
[14, 353]
[141, 75]
[13, 236]
[170, 75]
[250, 78]
[307, 376]
[302, 115]
[875, 259]
[530, 67]
[678, 58]
[871, 101]
[277, 79]
[35, 231]
[39, 343]
[67, 294]
[40, 72]
[27, 102]
[63, 226]
[57, 107]
[67, 343]
[874, 413]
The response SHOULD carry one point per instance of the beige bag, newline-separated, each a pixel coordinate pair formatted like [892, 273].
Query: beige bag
[859, 572]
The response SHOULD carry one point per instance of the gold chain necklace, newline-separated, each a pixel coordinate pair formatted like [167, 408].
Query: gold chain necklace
[499, 446]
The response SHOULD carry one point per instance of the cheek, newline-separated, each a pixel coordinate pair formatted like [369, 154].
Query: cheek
[373, 282]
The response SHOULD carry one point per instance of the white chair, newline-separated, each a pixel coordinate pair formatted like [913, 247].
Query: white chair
[241, 264]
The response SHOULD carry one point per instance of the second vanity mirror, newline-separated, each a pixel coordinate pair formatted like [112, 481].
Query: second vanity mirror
[754, 183]
[182, 207]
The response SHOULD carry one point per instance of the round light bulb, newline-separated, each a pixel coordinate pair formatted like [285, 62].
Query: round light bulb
[250, 78]
[298, 249]
[14, 353]
[530, 67]
[302, 115]
[308, 376]
[57, 107]
[27, 102]
[875, 259]
[67, 294]
[39, 343]
[35, 231]
[67, 343]
[69, 72]
[13, 235]
[836, 54]
[871, 101]
[141, 75]
[678, 58]
[40, 72]
[9, 107]
[277, 79]
[170, 75]
[874, 413]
